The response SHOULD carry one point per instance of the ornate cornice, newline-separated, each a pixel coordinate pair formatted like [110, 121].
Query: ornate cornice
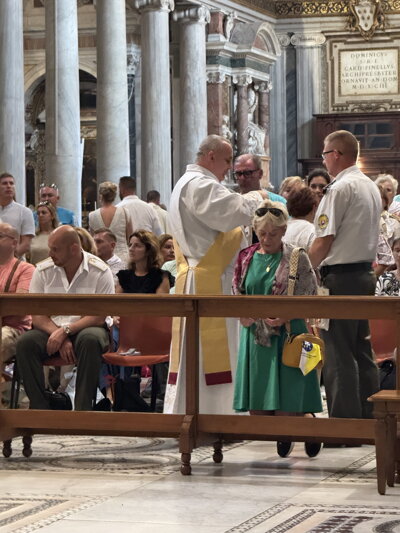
[154, 5]
[311, 8]
[198, 14]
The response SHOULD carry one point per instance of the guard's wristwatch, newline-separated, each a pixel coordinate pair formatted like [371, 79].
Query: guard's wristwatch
[67, 329]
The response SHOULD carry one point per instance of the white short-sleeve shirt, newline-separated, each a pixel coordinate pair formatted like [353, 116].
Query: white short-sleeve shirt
[143, 216]
[350, 210]
[92, 277]
[19, 217]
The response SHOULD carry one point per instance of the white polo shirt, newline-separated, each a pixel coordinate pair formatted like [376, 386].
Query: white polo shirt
[350, 210]
[143, 216]
[92, 277]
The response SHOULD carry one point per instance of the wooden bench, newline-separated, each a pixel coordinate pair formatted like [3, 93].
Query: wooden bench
[191, 427]
[387, 438]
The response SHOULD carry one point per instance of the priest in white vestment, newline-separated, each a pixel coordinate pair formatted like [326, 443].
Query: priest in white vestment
[205, 219]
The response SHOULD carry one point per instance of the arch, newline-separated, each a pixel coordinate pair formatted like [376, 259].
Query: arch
[259, 35]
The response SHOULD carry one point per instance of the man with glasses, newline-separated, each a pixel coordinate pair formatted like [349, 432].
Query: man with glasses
[347, 229]
[15, 214]
[205, 219]
[248, 173]
[49, 193]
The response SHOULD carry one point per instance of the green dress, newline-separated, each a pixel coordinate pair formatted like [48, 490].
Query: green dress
[262, 381]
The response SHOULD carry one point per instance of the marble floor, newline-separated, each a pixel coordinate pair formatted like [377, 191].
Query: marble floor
[95, 484]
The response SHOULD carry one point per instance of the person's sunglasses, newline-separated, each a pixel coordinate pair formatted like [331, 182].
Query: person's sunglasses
[44, 203]
[261, 211]
[52, 186]
[245, 173]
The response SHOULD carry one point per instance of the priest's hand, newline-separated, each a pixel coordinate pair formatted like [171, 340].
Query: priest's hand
[264, 194]
[275, 322]
[247, 322]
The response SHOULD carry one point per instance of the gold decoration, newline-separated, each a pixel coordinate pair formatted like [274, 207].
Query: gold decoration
[366, 16]
[312, 8]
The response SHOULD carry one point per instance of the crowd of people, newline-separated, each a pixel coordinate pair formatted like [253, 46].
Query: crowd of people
[212, 240]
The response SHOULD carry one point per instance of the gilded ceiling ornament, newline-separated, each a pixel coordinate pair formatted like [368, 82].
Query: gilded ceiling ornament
[366, 16]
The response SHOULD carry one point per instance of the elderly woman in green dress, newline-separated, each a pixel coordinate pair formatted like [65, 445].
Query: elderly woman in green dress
[263, 385]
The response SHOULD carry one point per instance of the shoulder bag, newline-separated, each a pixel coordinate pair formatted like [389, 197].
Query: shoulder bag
[306, 350]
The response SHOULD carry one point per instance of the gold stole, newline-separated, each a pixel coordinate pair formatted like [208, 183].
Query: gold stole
[213, 334]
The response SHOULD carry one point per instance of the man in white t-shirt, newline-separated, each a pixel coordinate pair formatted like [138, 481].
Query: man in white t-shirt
[153, 198]
[15, 214]
[143, 215]
[105, 243]
[347, 229]
[77, 340]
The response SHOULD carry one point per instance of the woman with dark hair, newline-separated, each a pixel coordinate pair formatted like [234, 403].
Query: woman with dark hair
[144, 275]
[301, 205]
[47, 222]
[116, 219]
[317, 180]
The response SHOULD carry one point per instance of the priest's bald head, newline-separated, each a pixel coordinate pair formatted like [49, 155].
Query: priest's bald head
[215, 154]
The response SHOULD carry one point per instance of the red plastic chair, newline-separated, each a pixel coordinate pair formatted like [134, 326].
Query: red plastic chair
[383, 338]
[151, 336]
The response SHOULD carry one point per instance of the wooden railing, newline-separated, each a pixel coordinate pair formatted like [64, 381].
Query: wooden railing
[192, 426]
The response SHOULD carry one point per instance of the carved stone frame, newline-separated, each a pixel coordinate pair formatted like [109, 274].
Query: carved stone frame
[380, 100]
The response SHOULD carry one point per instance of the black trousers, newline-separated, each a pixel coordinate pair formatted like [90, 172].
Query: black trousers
[89, 345]
[350, 373]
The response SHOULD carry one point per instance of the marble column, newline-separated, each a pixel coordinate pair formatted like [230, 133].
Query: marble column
[217, 102]
[133, 70]
[193, 81]
[264, 88]
[12, 119]
[242, 109]
[63, 150]
[113, 159]
[309, 90]
[156, 97]
[278, 117]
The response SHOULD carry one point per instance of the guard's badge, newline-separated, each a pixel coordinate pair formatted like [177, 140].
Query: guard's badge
[322, 221]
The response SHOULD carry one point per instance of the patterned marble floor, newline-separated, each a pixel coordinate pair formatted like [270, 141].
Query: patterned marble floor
[102, 484]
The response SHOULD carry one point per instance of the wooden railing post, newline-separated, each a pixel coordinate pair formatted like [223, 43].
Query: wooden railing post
[189, 427]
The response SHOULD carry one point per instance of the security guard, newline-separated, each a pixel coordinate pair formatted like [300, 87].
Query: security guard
[347, 228]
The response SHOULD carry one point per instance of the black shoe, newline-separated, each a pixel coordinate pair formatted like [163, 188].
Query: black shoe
[312, 448]
[284, 448]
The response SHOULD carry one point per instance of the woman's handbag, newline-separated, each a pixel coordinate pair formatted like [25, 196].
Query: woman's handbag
[306, 350]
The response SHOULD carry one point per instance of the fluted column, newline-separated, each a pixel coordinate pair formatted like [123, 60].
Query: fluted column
[308, 63]
[113, 160]
[63, 152]
[156, 96]
[264, 89]
[242, 118]
[193, 81]
[278, 115]
[12, 120]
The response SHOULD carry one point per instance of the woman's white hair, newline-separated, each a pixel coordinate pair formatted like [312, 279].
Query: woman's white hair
[270, 219]
[383, 178]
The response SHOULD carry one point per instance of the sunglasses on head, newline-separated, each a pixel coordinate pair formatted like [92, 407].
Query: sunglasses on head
[261, 211]
[52, 186]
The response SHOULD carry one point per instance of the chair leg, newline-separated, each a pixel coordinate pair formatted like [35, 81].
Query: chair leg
[154, 388]
[15, 387]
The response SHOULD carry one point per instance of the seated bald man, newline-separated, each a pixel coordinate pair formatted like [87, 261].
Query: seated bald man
[77, 339]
